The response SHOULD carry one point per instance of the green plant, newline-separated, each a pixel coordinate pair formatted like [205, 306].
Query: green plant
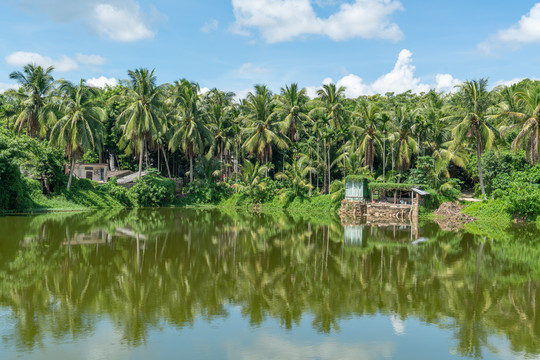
[152, 190]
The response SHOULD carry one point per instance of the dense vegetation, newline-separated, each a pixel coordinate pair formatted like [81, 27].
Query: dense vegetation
[272, 148]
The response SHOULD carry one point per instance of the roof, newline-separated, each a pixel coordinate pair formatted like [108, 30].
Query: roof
[418, 191]
[119, 173]
[130, 178]
[94, 165]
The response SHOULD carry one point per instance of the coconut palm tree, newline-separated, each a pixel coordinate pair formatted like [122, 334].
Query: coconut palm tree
[81, 128]
[332, 99]
[143, 118]
[368, 114]
[297, 173]
[290, 108]
[472, 106]
[36, 113]
[251, 176]
[404, 144]
[529, 123]
[218, 111]
[262, 125]
[190, 133]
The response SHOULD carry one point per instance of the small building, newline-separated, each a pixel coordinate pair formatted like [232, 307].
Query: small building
[95, 172]
[381, 200]
[356, 188]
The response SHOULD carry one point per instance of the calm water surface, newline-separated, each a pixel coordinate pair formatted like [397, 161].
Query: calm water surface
[208, 284]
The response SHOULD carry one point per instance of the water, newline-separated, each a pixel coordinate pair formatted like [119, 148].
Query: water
[207, 284]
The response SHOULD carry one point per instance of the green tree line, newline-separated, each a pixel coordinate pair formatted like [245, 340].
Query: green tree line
[302, 143]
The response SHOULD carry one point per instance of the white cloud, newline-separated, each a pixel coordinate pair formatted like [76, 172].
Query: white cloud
[121, 24]
[90, 59]
[210, 26]
[399, 80]
[241, 94]
[101, 82]
[250, 69]
[274, 347]
[513, 81]
[22, 58]
[203, 90]
[446, 83]
[527, 30]
[283, 20]
[118, 20]
[4, 87]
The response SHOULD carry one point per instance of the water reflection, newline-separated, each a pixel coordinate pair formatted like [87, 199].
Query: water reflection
[146, 269]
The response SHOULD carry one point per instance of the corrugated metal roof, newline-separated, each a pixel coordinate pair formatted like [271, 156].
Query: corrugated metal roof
[418, 191]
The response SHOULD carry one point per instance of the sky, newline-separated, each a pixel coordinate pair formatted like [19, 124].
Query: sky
[368, 46]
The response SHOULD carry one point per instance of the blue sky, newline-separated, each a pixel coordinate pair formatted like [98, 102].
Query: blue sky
[369, 46]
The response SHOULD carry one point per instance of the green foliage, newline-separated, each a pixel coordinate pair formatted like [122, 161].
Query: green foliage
[152, 190]
[90, 157]
[358, 178]
[11, 183]
[497, 210]
[524, 200]
[393, 186]
[120, 193]
[199, 193]
[423, 173]
[502, 163]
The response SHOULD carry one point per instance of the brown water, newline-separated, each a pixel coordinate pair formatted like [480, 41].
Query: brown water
[208, 284]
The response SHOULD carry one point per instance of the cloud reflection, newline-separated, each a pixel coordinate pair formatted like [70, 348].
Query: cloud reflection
[273, 347]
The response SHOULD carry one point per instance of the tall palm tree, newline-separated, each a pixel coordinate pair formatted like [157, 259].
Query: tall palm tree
[529, 123]
[262, 126]
[368, 114]
[190, 133]
[9, 108]
[218, 110]
[332, 99]
[37, 85]
[473, 103]
[143, 118]
[290, 108]
[81, 128]
[404, 145]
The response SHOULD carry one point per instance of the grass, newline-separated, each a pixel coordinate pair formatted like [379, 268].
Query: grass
[80, 197]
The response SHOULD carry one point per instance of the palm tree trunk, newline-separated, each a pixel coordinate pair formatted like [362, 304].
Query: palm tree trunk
[318, 163]
[324, 167]
[393, 160]
[70, 173]
[479, 159]
[329, 176]
[310, 175]
[141, 155]
[191, 168]
[166, 162]
[384, 158]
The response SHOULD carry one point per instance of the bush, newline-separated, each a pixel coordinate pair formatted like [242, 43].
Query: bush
[152, 190]
[120, 193]
[205, 193]
[12, 194]
[524, 200]
[497, 210]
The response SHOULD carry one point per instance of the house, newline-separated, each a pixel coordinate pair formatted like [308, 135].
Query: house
[95, 172]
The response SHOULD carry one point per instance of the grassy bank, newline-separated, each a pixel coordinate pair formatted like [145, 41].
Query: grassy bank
[151, 191]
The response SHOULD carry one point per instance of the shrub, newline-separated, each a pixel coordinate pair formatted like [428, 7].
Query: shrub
[120, 193]
[152, 190]
[524, 199]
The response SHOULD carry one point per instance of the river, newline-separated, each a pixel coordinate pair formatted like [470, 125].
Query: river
[231, 284]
